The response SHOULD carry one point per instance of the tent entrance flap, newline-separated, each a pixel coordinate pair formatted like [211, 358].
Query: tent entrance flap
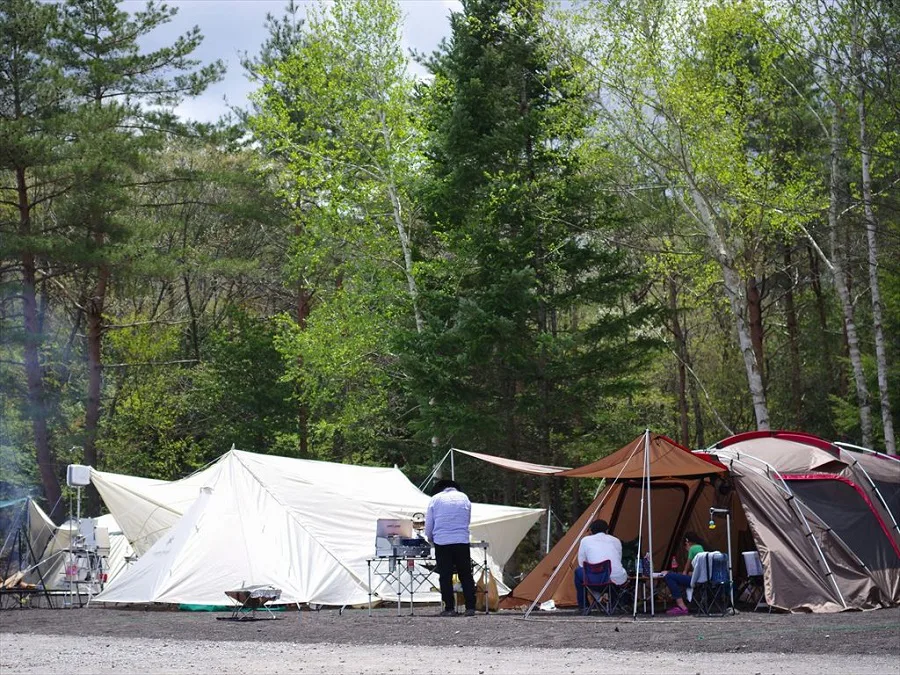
[669, 502]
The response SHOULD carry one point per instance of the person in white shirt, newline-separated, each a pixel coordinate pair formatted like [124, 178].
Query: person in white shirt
[447, 527]
[597, 547]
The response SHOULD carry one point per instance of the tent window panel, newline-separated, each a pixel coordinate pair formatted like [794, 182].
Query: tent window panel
[890, 492]
[667, 503]
[842, 508]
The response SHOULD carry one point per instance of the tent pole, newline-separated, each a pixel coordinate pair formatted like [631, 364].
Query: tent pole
[452, 465]
[877, 492]
[38, 566]
[730, 573]
[434, 470]
[713, 512]
[637, 564]
[867, 451]
[649, 519]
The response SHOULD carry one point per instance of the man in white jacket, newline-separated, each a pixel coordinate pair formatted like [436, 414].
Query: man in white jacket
[597, 547]
[447, 527]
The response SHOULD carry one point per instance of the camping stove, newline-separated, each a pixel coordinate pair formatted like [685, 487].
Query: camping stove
[403, 547]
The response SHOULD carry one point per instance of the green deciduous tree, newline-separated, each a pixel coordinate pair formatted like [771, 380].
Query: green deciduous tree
[335, 111]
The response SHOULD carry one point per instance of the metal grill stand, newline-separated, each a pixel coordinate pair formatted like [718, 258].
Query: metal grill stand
[250, 599]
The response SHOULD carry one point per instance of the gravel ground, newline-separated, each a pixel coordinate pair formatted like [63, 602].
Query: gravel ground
[114, 640]
[56, 655]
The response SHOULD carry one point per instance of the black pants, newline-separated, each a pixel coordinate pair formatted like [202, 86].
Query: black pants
[452, 558]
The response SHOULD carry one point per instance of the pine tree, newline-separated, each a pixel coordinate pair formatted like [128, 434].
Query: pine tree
[530, 321]
[124, 97]
[30, 122]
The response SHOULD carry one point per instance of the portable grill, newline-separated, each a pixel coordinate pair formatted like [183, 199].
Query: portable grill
[410, 548]
[250, 599]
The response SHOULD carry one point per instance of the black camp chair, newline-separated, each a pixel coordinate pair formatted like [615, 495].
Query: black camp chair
[711, 585]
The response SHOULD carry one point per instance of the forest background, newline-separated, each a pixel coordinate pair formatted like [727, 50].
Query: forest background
[588, 220]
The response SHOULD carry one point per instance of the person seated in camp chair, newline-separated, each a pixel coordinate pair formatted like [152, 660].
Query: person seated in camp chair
[679, 583]
[595, 548]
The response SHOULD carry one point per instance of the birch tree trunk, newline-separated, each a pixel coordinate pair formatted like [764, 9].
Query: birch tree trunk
[734, 291]
[872, 246]
[840, 277]
[397, 212]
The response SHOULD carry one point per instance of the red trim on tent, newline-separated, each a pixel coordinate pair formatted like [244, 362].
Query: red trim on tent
[795, 436]
[820, 476]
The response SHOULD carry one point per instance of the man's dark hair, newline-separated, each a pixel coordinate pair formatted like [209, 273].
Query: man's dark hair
[599, 526]
[694, 538]
[443, 484]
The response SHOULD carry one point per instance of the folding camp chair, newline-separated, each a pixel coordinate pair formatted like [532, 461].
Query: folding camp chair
[600, 592]
[711, 587]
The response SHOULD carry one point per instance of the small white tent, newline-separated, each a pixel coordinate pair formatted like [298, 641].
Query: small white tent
[303, 526]
[51, 545]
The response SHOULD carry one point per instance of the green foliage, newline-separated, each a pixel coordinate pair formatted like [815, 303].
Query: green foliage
[240, 393]
[335, 109]
[368, 268]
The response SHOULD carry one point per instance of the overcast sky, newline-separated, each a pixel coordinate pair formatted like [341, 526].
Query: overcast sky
[232, 27]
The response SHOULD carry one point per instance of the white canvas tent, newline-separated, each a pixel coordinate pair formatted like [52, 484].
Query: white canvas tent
[303, 526]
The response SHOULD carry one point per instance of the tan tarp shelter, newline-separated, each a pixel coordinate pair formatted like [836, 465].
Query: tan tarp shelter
[807, 565]
[676, 478]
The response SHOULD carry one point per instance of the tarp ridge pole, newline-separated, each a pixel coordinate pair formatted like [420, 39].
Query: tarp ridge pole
[577, 538]
[649, 516]
[452, 465]
[549, 521]
[637, 580]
